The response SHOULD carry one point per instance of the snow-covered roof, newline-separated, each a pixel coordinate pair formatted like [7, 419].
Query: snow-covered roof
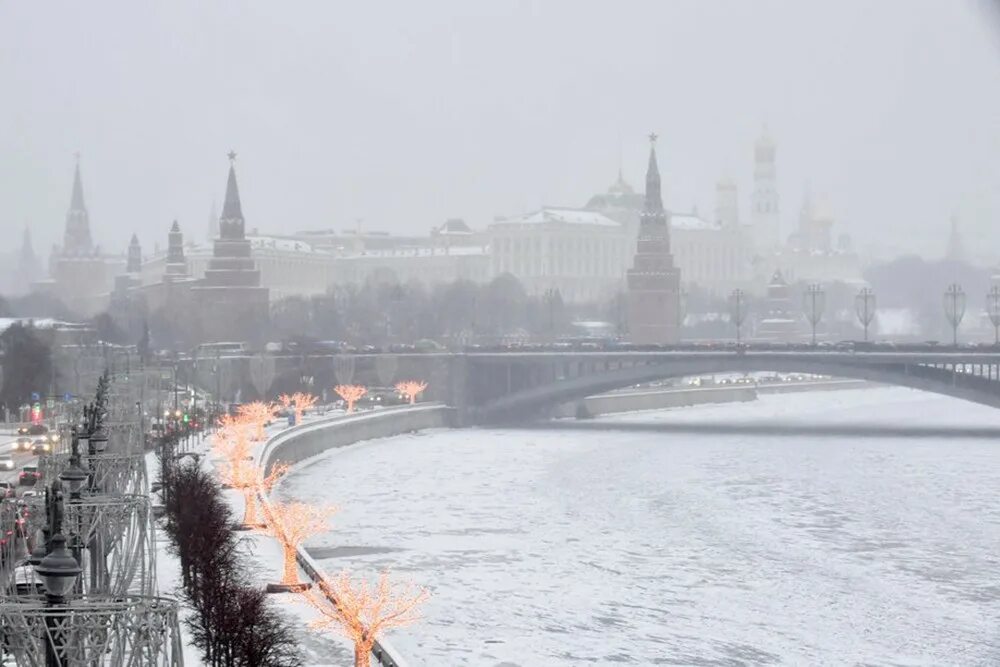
[691, 222]
[273, 243]
[38, 322]
[455, 226]
[566, 216]
[451, 251]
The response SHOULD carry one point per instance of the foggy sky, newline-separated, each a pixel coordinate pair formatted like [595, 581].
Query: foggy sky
[407, 113]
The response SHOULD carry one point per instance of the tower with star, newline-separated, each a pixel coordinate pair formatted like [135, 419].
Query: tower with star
[653, 281]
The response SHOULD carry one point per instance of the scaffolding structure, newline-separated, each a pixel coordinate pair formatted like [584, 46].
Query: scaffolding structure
[93, 631]
[102, 533]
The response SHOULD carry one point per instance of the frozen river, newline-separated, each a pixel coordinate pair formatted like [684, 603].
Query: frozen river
[639, 547]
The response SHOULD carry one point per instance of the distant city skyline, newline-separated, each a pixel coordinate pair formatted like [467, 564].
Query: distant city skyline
[404, 118]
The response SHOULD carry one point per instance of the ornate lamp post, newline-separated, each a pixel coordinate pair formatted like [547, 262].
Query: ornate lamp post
[738, 310]
[814, 302]
[954, 309]
[864, 305]
[993, 308]
[58, 572]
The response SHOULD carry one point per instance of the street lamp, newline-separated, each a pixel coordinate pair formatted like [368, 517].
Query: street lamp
[993, 308]
[98, 441]
[814, 302]
[954, 309]
[58, 570]
[864, 305]
[738, 310]
[74, 477]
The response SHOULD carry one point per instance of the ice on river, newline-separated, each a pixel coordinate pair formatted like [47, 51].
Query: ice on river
[565, 548]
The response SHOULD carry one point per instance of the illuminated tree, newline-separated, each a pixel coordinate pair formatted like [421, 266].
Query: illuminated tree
[249, 477]
[293, 524]
[232, 439]
[363, 612]
[259, 414]
[350, 393]
[410, 389]
[299, 401]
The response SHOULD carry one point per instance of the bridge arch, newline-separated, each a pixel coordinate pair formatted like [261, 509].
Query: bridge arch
[539, 400]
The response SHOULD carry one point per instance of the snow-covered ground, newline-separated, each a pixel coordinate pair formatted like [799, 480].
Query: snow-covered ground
[263, 559]
[566, 548]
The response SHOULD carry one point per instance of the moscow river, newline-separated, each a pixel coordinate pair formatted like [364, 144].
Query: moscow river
[640, 540]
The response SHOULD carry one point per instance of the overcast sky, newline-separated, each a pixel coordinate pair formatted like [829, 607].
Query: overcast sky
[406, 113]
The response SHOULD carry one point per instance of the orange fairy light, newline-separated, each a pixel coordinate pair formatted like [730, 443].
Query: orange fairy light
[249, 478]
[259, 414]
[362, 612]
[350, 393]
[299, 401]
[410, 389]
[293, 524]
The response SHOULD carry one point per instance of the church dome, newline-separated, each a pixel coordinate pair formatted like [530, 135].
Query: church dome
[620, 187]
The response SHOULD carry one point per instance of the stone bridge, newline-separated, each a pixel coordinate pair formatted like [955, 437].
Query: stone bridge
[512, 386]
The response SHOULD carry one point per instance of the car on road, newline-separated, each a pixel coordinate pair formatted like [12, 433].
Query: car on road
[28, 476]
[23, 443]
[7, 490]
[38, 429]
[6, 462]
[41, 446]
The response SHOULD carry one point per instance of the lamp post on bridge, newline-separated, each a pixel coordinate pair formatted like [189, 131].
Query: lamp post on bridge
[954, 309]
[814, 302]
[864, 304]
[738, 311]
[993, 308]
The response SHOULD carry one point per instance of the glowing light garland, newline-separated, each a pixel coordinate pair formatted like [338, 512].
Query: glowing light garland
[299, 401]
[294, 523]
[259, 414]
[350, 393]
[410, 389]
[364, 612]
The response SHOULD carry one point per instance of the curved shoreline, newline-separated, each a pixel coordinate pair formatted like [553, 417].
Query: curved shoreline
[299, 444]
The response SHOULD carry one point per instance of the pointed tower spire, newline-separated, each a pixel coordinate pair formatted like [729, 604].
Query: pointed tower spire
[176, 263]
[654, 197]
[956, 246]
[653, 281]
[231, 225]
[27, 263]
[76, 201]
[134, 261]
[76, 238]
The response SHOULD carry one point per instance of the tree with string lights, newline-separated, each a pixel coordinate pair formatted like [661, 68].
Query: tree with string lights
[299, 402]
[410, 389]
[294, 523]
[364, 612]
[351, 393]
[259, 414]
[232, 439]
[249, 477]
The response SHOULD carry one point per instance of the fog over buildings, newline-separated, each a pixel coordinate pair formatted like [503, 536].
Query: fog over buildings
[402, 115]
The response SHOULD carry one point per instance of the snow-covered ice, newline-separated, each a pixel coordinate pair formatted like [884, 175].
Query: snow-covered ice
[565, 548]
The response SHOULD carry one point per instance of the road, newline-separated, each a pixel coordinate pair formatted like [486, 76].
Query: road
[20, 459]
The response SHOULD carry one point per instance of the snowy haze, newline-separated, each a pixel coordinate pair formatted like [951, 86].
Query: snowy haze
[406, 113]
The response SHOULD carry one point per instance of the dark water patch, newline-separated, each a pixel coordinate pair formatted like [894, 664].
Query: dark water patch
[323, 553]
